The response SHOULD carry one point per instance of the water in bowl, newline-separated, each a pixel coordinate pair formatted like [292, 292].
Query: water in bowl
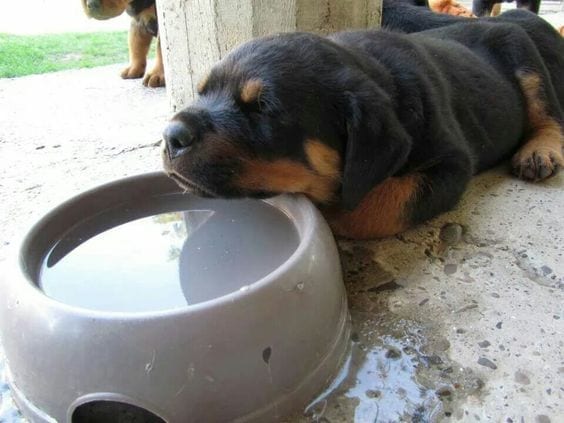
[168, 256]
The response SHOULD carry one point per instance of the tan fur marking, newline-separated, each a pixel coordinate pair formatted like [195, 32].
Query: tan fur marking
[287, 176]
[251, 90]
[541, 155]
[202, 84]
[323, 159]
[381, 213]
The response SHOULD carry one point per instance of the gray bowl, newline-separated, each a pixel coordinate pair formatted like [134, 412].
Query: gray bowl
[253, 341]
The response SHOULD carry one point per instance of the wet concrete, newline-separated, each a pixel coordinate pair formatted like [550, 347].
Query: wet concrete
[460, 319]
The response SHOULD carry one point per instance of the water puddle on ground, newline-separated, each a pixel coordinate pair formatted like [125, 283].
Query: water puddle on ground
[393, 374]
[397, 369]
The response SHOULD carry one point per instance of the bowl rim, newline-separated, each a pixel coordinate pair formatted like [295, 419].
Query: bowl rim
[16, 272]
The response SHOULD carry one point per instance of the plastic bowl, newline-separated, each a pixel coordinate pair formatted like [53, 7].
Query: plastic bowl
[258, 348]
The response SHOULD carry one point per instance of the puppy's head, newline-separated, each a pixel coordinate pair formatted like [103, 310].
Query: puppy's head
[104, 9]
[293, 113]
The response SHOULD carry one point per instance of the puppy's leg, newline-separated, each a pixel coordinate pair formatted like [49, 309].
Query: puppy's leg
[404, 201]
[155, 77]
[139, 43]
[541, 156]
[496, 9]
[450, 7]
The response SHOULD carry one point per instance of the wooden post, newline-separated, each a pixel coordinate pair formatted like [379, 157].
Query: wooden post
[195, 34]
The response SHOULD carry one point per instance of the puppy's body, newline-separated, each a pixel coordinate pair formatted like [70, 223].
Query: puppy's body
[440, 104]
[382, 130]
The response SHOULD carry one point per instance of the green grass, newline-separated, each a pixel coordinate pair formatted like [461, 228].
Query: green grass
[32, 54]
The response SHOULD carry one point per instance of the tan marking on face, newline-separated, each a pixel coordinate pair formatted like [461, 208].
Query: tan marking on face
[202, 84]
[287, 176]
[251, 90]
[546, 140]
[319, 182]
[383, 212]
[323, 159]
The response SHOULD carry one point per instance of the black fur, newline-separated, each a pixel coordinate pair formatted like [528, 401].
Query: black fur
[484, 7]
[137, 6]
[444, 103]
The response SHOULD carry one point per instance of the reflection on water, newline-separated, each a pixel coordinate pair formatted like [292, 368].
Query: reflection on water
[167, 260]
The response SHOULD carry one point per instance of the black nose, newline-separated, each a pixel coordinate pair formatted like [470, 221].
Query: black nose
[178, 137]
[93, 4]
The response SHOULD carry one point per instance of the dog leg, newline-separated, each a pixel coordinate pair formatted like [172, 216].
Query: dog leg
[139, 43]
[401, 202]
[541, 156]
[155, 77]
[450, 7]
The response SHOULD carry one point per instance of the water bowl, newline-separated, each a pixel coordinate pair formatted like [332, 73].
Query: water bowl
[135, 299]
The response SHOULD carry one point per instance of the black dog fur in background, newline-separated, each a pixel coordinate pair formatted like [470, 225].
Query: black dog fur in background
[485, 7]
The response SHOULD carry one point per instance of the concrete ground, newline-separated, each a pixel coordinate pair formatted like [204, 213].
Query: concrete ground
[459, 319]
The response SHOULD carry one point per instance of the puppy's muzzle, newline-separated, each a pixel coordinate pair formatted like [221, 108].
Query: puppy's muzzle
[93, 5]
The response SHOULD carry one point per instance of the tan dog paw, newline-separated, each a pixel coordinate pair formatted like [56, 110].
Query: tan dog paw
[133, 72]
[154, 79]
[536, 164]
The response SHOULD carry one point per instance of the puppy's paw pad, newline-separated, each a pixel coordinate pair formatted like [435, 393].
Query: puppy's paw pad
[133, 72]
[538, 164]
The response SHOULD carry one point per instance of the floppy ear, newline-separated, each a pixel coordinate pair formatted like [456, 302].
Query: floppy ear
[377, 144]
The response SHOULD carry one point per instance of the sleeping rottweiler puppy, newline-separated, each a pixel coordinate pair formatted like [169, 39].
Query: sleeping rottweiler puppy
[141, 32]
[485, 7]
[382, 130]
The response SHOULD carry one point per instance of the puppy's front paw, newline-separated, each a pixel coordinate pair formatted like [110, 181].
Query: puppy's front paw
[154, 79]
[133, 72]
[536, 164]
